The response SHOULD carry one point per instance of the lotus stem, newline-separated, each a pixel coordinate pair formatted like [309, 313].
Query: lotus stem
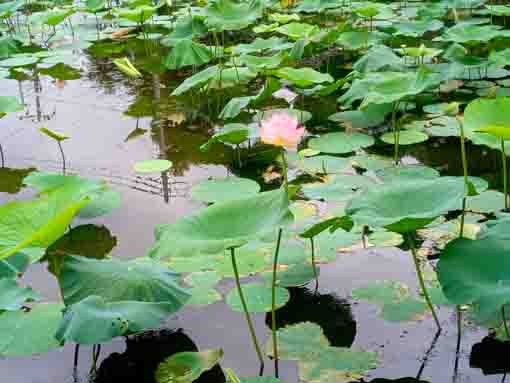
[76, 355]
[63, 158]
[245, 308]
[314, 265]
[285, 176]
[505, 182]
[459, 328]
[273, 303]
[421, 280]
[395, 131]
[2, 157]
[505, 324]
[465, 173]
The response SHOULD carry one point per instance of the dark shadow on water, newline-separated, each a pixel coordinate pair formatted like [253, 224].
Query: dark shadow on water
[330, 312]
[144, 352]
[491, 355]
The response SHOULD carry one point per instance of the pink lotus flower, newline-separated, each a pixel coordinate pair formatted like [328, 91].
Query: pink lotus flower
[282, 129]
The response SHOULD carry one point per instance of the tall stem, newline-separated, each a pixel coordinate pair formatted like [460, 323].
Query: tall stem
[245, 308]
[63, 158]
[465, 173]
[314, 265]
[285, 176]
[273, 303]
[421, 281]
[396, 133]
[505, 324]
[503, 158]
[2, 158]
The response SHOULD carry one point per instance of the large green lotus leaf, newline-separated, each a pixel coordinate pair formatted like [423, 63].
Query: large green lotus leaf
[186, 27]
[370, 161]
[407, 206]
[489, 201]
[40, 222]
[361, 39]
[11, 180]
[186, 367]
[227, 15]
[116, 281]
[500, 58]
[465, 32]
[339, 187]
[223, 225]
[152, 166]
[14, 266]
[250, 261]
[13, 297]
[258, 298]
[417, 28]
[17, 61]
[199, 262]
[26, 333]
[313, 6]
[203, 296]
[93, 320]
[298, 31]
[9, 104]
[187, 52]
[303, 77]
[198, 79]
[295, 275]
[483, 113]
[8, 8]
[89, 241]
[138, 15]
[398, 173]
[235, 106]
[260, 62]
[323, 164]
[61, 71]
[260, 45]
[224, 189]
[372, 115]
[327, 245]
[379, 58]
[406, 137]
[387, 87]
[343, 360]
[299, 341]
[56, 16]
[476, 271]
[341, 142]
[102, 199]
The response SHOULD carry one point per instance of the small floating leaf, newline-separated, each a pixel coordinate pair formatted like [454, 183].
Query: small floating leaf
[152, 166]
[185, 367]
[258, 298]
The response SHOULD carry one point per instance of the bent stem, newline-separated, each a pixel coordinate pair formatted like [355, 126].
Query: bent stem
[273, 303]
[245, 308]
[503, 158]
[63, 158]
[421, 280]
[314, 265]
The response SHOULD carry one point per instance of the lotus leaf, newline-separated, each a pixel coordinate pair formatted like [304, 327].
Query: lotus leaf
[469, 33]
[372, 115]
[260, 45]
[405, 137]
[25, 333]
[52, 134]
[9, 104]
[341, 142]
[13, 297]
[152, 166]
[223, 225]
[298, 31]
[224, 189]
[303, 77]
[227, 15]
[258, 298]
[295, 275]
[417, 28]
[407, 206]
[186, 52]
[379, 58]
[186, 367]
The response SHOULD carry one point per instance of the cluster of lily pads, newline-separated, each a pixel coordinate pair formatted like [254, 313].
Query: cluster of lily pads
[397, 74]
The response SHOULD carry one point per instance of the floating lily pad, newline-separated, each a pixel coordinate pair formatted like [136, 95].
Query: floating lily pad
[186, 367]
[152, 166]
[405, 137]
[323, 164]
[295, 275]
[341, 142]
[258, 298]
[224, 189]
[203, 296]
[339, 187]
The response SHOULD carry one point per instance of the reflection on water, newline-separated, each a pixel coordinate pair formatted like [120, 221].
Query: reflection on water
[144, 352]
[333, 314]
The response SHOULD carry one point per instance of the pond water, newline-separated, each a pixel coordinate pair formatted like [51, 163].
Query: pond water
[114, 122]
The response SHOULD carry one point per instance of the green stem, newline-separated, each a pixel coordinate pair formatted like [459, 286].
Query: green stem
[503, 158]
[459, 327]
[465, 172]
[245, 308]
[507, 332]
[2, 157]
[421, 280]
[395, 131]
[63, 158]
[314, 265]
[285, 176]
[273, 303]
